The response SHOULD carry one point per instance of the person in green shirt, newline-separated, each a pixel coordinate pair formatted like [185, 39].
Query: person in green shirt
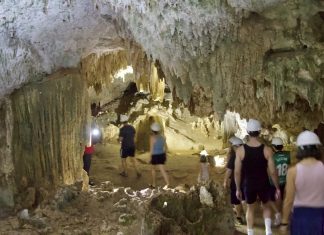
[282, 161]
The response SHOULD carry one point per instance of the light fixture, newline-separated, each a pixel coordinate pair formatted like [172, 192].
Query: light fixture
[95, 132]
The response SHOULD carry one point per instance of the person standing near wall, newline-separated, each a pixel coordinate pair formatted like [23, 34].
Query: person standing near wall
[127, 140]
[253, 160]
[158, 154]
[229, 178]
[87, 157]
[305, 189]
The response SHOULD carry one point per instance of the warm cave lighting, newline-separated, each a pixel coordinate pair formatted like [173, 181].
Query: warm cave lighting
[122, 73]
[95, 132]
[219, 161]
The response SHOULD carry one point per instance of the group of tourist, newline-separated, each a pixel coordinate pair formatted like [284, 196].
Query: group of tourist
[157, 149]
[255, 173]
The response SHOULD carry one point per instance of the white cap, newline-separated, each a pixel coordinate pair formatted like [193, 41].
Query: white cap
[204, 153]
[253, 125]
[308, 138]
[155, 127]
[235, 141]
[277, 141]
[123, 118]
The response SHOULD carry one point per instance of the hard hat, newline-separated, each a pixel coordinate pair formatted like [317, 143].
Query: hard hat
[308, 138]
[235, 141]
[155, 127]
[204, 153]
[277, 141]
[123, 118]
[253, 125]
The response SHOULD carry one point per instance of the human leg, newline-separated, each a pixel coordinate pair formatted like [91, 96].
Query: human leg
[164, 174]
[87, 162]
[250, 218]
[153, 176]
[264, 195]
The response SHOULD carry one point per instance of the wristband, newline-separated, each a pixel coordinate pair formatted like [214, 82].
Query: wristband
[283, 224]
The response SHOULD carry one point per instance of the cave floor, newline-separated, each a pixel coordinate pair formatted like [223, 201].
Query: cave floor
[182, 167]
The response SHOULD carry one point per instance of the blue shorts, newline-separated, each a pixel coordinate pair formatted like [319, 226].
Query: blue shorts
[307, 221]
[127, 152]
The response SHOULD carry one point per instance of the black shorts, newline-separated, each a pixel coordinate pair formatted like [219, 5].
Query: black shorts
[252, 191]
[158, 159]
[234, 199]
[127, 152]
[273, 192]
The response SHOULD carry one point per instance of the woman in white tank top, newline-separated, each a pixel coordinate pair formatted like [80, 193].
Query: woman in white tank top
[305, 189]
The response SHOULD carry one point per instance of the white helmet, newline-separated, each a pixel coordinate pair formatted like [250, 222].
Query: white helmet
[155, 126]
[253, 125]
[308, 138]
[277, 141]
[235, 141]
[204, 153]
[123, 118]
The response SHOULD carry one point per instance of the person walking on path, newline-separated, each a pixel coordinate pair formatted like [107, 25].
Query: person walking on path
[305, 189]
[229, 178]
[282, 161]
[158, 154]
[127, 140]
[253, 160]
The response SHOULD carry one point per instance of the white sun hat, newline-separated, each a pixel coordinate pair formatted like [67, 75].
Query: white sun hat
[204, 153]
[277, 141]
[155, 127]
[235, 141]
[253, 125]
[308, 138]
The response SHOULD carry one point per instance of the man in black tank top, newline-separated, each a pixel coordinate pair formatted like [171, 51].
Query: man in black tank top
[254, 160]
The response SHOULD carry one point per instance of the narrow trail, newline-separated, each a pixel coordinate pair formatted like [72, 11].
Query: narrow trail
[182, 168]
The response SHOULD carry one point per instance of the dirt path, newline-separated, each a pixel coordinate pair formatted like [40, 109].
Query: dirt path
[182, 168]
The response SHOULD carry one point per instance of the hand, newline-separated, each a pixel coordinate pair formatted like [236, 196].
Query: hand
[239, 194]
[283, 228]
[225, 184]
[278, 194]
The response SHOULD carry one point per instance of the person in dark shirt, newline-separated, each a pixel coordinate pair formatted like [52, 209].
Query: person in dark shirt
[127, 140]
[229, 178]
[253, 160]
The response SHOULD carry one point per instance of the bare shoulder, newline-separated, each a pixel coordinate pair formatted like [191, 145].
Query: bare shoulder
[267, 152]
[292, 170]
[240, 152]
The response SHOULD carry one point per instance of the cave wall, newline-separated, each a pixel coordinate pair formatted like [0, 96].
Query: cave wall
[7, 182]
[46, 125]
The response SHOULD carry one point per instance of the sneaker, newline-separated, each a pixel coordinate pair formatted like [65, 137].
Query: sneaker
[123, 174]
[91, 183]
[277, 220]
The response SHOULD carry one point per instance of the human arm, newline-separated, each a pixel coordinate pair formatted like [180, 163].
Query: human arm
[230, 167]
[272, 169]
[237, 171]
[227, 177]
[151, 144]
[290, 190]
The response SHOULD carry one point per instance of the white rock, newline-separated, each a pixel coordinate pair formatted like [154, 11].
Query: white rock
[205, 197]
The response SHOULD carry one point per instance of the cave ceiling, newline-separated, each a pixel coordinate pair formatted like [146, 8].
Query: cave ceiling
[261, 58]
